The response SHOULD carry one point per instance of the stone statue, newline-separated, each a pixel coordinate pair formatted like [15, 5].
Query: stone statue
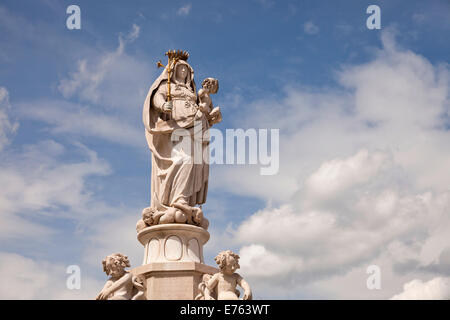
[209, 86]
[173, 229]
[176, 122]
[121, 285]
[222, 285]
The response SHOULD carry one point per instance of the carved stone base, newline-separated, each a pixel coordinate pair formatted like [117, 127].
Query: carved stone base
[173, 263]
[173, 242]
[173, 280]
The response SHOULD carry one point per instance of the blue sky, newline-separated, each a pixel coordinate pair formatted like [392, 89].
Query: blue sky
[363, 118]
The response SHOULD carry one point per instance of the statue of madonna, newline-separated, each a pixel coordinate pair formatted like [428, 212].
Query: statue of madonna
[175, 129]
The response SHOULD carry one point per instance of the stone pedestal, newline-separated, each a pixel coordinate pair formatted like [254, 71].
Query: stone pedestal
[173, 263]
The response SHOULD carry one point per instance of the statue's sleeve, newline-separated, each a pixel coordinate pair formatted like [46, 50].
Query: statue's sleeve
[159, 98]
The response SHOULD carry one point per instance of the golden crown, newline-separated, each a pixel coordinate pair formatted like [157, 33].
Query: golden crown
[177, 54]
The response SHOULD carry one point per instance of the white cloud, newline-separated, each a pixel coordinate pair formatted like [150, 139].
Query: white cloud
[39, 183]
[112, 79]
[310, 28]
[435, 289]
[48, 190]
[68, 117]
[184, 10]
[114, 233]
[7, 127]
[337, 175]
[322, 240]
[134, 33]
[363, 171]
[24, 278]
[366, 112]
[263, 262]
[109, 84]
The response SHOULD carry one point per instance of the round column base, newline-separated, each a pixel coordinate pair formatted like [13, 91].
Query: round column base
[173, 242]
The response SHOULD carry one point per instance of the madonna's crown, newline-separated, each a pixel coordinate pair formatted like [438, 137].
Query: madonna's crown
[177, 54]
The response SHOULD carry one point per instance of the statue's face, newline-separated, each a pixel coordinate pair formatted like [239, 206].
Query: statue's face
[181, 72]
[231, 265]
[115, 269]
[214, 86]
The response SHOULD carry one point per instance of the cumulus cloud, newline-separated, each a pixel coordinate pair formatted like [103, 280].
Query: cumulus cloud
[441, 265]
[337, 175]
[42, 187]
[396, 103]
[46, 183]
[314, 239]
[435, 289]
[363, 174]
[24, 278]
[38, 181]
[49, 187]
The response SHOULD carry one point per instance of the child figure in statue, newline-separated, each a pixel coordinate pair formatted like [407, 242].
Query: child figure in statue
[226, 280]
[121, 285]
[205, 105]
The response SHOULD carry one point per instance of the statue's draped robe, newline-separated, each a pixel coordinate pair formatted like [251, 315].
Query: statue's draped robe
[175, 176]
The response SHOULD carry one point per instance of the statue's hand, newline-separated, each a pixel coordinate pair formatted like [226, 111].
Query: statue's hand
[103, 295]
[215, 116]
[167, 107]
[203, 107]
[247, 296]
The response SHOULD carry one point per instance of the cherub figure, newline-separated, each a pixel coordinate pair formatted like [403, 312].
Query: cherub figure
[150, 216]
[194, 215]
[121, 285]
[205, 105]
[226, 281]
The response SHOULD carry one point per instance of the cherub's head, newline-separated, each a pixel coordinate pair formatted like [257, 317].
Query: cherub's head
[147, 215]
[114, 265]
[228, 261]
[211, 84]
